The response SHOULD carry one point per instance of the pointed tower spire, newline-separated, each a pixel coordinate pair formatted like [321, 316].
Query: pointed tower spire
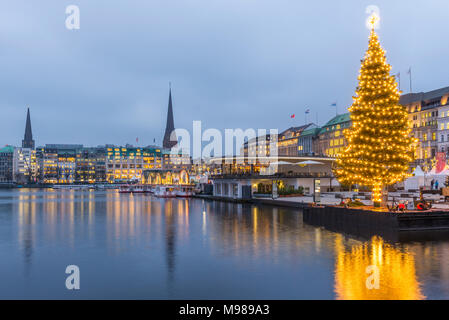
[170, 126]
[28, 141]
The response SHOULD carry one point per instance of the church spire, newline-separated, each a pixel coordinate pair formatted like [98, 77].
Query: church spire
[28, 141]
[170, 126]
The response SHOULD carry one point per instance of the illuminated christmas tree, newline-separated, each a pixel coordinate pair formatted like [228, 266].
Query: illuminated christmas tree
[380, 148]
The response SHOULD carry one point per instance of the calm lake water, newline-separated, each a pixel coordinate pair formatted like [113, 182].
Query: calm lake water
[140, 247]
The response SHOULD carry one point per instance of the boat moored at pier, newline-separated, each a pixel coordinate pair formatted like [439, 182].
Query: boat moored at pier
[185, 191]
[165, 192]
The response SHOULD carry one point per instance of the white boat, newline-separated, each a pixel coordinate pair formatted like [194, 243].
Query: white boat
[70, 187]
[140, 189]
[125, 189]
[185, 191]
[165, 192]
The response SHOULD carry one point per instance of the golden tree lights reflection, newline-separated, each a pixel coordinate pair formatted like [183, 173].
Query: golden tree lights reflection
[397, 273]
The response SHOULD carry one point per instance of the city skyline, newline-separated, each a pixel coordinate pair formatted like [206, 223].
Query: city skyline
[107, 82]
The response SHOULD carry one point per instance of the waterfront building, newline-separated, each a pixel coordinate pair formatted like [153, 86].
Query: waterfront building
[47, 161]
[170, 126]
[57, 163]
[176, 163]
[257, 147]
[331, 140]
[128, 163]
[443, 123]
[426, 122]
[307, 141]
[91, 165]
[25, 165]
[7, 164]
[67, 164]
[288, 141]
[28, 141]
[242, 181]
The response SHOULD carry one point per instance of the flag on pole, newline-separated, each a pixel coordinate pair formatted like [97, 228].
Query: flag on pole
[409, 72]
[292, 116]
[335, 105]
[137, 140]
[307, 111]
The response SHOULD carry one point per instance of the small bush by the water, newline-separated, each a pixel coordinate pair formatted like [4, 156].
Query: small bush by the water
[290, 190]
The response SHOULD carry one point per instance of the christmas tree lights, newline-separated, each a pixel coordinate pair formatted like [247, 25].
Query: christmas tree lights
[380, 148]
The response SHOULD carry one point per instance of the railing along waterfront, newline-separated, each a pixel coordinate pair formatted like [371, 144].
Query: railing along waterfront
[272, 176]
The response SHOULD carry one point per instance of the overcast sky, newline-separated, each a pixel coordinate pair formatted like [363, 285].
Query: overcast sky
[232, 63]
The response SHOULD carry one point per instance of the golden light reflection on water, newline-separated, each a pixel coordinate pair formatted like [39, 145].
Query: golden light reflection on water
[240, 232]
[397, 273]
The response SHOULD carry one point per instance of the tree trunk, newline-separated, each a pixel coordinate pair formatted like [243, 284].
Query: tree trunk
[377, 194]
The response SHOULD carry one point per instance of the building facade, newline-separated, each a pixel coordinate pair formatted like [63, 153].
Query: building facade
[289, 140]
[127, 163]
[25, 165]
[7, 164]
[426, 122]
[307, 141]
[90, 165]
[331, 140]
[443, 127]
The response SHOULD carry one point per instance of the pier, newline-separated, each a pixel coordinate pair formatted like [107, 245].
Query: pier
[404, 226]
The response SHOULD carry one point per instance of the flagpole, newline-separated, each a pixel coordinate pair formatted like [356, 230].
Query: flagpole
[410, 73]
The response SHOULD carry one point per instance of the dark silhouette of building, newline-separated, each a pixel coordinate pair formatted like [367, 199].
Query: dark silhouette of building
[28, 141]
[170, 127]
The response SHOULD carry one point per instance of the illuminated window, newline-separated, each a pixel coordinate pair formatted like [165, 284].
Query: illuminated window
[434, 136]
[442, 126]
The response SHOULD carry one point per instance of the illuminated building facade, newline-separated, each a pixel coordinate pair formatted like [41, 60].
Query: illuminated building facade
[6, 164]
[175, 163]
[91, 165]
[57, 163]
[288, 140]
[127, 163]
[67, 164]
[331, 141]
[25, 165]
[443, 126]
[258, 146]
[426, 120]
[307, 140]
